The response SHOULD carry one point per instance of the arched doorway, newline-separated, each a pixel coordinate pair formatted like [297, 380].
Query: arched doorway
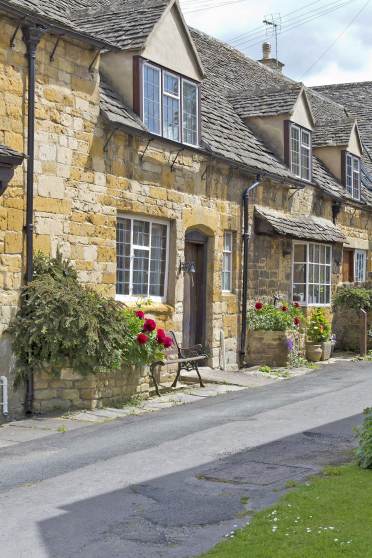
[195, 289]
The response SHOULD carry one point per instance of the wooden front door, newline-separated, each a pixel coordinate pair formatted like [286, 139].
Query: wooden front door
[194, 301]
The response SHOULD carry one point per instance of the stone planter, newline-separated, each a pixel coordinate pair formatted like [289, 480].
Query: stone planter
[270, 348]
[72, 391]
[327, 347]
[314, 352]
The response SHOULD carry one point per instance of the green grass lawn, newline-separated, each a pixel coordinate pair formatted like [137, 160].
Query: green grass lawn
[330, 516]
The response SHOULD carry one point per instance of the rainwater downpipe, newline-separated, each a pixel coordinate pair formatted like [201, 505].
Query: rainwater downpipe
[4, 389]
[246, 236]
[31, 36]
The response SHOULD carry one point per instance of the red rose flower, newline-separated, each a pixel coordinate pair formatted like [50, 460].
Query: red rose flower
[142, 338]
[168, 342]
[161, 336]
[258, 305]
[297, 305]
[140, 314]
[150, 325]
[284, 308]
[297, 322]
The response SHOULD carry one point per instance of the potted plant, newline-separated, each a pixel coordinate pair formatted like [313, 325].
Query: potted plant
[319, 345]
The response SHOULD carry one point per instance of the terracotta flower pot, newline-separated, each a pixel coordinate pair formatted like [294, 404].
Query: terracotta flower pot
[314, 352]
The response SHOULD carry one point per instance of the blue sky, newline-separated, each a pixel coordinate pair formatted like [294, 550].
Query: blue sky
[349, 27]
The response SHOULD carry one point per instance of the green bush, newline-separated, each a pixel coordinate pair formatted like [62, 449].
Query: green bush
[61, 324]
[268, 317]
[353, 297]
[364, 451]
[319, 327]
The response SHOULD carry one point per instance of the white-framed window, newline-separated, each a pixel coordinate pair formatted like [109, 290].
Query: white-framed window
[312, 273]
[360, 266]
[227, 261]
[151, 98]
[142, 258]
[190, 98]
[353, 176]
[170, 105]
[300, 152]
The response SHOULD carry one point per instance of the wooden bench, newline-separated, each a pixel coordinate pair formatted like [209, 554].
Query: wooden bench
[185, 359]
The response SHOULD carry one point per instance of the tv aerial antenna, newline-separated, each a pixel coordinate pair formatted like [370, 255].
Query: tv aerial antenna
[273, 24]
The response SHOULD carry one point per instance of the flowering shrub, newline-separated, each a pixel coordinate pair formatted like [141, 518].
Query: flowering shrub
[146, 344]
[275, 318]
[318, 328]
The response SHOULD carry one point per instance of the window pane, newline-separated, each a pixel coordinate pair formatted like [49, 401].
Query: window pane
[349, 174]
[299, 293]
[299, 273]
[190, 113]
[295, 150]
[227, 262]
[328, 254]
[171, 84]
[158, 259]
[151, 98]
[228, 242]
[300, 253]
[322, 254]
[141, 233]
[123, 232]
[140, 272]
[171, 118]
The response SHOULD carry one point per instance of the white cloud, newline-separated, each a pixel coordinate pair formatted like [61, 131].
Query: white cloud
[331, 72]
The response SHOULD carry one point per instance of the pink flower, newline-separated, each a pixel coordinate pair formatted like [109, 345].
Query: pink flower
[140, 314]
[150, 325]
[161, 336]
[284, 308]
[258, 306]
[168, 342]
[297, 322]
[142, 338]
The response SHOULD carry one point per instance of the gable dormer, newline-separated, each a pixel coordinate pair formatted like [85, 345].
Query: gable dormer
[160, 80]
[283, 118]
[338, 145]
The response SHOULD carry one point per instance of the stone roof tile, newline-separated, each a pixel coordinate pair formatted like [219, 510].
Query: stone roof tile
[270, 102]
[302, 227]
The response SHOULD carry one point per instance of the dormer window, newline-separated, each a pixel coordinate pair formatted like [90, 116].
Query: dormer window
[300, 151]
[352, 175]
[170, 105]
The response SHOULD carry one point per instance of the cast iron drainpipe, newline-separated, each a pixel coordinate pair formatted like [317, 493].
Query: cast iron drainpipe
[31, 37]
[246, 236]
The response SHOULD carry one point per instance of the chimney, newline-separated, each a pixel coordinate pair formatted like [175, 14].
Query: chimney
[268, 60]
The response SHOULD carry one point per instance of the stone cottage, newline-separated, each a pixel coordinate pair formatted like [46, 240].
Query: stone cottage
[158, 157]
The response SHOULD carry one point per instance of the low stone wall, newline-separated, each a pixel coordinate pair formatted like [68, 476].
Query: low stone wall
[346, 326]
[269, 348]
[72, 391]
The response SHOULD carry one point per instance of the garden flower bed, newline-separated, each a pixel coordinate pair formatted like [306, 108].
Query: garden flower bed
[274, 337]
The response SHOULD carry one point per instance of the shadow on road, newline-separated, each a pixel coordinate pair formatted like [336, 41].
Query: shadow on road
[184, 514]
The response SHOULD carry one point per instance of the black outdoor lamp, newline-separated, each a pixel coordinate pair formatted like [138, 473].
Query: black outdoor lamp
[188, 267]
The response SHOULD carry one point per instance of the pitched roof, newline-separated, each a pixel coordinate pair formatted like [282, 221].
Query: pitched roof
[303, 227]
[115, 111]
[9, 156]
[357, 98]
[124, 23]
[58, 13]
[333, 132]
[271, 102]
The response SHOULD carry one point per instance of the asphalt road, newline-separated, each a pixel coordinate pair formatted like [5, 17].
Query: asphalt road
[172, 484]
